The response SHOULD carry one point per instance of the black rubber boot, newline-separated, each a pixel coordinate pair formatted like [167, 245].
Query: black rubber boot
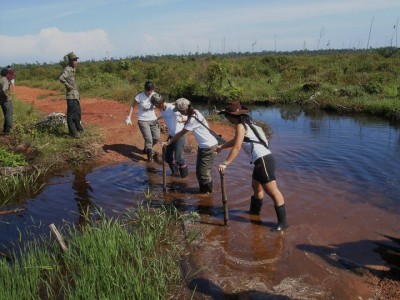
[183, 170]
[209, 187]
[174, 168]
[203, 188]
[149, 153]
[281, 214]
[206, 188]
[255, 206]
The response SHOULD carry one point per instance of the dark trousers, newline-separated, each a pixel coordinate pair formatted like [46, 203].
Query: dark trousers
[174, 151]
[74, 116]
[204, 163]
[7, 109]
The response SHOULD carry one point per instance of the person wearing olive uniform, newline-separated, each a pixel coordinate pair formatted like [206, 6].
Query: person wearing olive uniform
[67, 78]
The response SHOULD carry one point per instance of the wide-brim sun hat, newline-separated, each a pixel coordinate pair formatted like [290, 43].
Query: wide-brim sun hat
[234, 108]
[181, 104]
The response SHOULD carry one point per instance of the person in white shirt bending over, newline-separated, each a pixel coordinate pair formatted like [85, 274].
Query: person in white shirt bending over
[174, 122]
[207, 143]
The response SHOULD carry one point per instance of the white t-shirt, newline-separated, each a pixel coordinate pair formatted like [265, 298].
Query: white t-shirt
[203, 136]
[171, 119]
[254, 150]
[146, 109]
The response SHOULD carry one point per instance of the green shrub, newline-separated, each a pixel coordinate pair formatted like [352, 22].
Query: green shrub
[10, 159]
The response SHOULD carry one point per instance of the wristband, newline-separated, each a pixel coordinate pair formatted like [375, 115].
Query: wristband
[225, 163]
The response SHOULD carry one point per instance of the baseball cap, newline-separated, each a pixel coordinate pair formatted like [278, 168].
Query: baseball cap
[181, 104]
[156, 99]
[72, 56]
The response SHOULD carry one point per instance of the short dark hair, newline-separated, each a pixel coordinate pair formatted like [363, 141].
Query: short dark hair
[4, 72]
[149, 86]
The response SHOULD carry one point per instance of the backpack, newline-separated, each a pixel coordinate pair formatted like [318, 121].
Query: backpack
[259, 132]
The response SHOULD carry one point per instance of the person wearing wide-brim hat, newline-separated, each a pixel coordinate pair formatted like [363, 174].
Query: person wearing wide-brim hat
[67, 78]
[263, 178]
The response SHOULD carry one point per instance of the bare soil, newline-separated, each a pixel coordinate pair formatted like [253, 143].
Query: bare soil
[121, 142]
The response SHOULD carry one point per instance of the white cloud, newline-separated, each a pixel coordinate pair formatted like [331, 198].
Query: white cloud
[51, 44]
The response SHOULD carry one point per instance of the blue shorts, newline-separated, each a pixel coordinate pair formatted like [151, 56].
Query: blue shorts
[264, 169]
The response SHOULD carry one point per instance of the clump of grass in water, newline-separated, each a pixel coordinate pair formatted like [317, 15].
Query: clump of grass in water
[19, 183]
[135, 257]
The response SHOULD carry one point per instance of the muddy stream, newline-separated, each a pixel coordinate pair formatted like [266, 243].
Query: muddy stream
[340, 178]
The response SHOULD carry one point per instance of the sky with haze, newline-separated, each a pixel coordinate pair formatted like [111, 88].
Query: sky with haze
[43, 31]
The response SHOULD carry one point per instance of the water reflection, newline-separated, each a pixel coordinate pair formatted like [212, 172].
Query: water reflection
[82, 189]
[340, 177]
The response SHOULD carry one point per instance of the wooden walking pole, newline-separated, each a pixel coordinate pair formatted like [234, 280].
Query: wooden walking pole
[59, 237]
[224, 198]
[164, 170]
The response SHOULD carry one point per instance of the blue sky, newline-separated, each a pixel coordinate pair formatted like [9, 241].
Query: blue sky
[44, 31]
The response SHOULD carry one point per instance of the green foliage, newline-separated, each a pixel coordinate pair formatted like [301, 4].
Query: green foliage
[48, 149]
[388, 52]
[20, 183]
[277, 77]
[10, 159]
[135, 257]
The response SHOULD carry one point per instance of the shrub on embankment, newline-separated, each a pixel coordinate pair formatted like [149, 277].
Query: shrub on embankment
[345, 81]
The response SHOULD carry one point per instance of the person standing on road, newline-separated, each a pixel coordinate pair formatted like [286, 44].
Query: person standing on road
[11, 77]
[207, 143]
[67, 78]
[174, 122]
[147, 119]
[263, 178]
[5, 102]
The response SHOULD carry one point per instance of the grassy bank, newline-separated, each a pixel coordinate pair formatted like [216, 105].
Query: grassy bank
[30, 152]
[134, 257]
[343, 81]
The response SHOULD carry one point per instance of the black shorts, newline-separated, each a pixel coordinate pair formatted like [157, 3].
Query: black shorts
[264, 169]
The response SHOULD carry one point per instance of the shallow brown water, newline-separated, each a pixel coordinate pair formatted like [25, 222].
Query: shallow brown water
[340, 179]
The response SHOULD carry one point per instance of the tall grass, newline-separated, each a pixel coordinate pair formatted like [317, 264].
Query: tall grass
[21, 183]
[259, 77]
[133, 257]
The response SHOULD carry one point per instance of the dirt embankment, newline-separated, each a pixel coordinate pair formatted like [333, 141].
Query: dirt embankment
[121, 142]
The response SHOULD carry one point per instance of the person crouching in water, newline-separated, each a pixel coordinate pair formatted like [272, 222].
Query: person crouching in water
[174, 122]
[207, 144]
[263, 178]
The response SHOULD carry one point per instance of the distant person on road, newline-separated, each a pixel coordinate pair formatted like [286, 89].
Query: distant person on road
[11, 77]
[147, 119]
[67, 78]
[174, 122]
[263, 178]
[207, 143]
[5, 102]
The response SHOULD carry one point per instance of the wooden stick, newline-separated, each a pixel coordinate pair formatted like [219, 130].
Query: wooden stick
[224, 198]
[59, 237]
[164, 169]
[13, 211]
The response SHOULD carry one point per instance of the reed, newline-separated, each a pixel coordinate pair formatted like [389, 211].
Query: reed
[21, 183]
[135, 256]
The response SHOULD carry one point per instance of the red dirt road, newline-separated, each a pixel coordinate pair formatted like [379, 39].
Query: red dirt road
[108, 115]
